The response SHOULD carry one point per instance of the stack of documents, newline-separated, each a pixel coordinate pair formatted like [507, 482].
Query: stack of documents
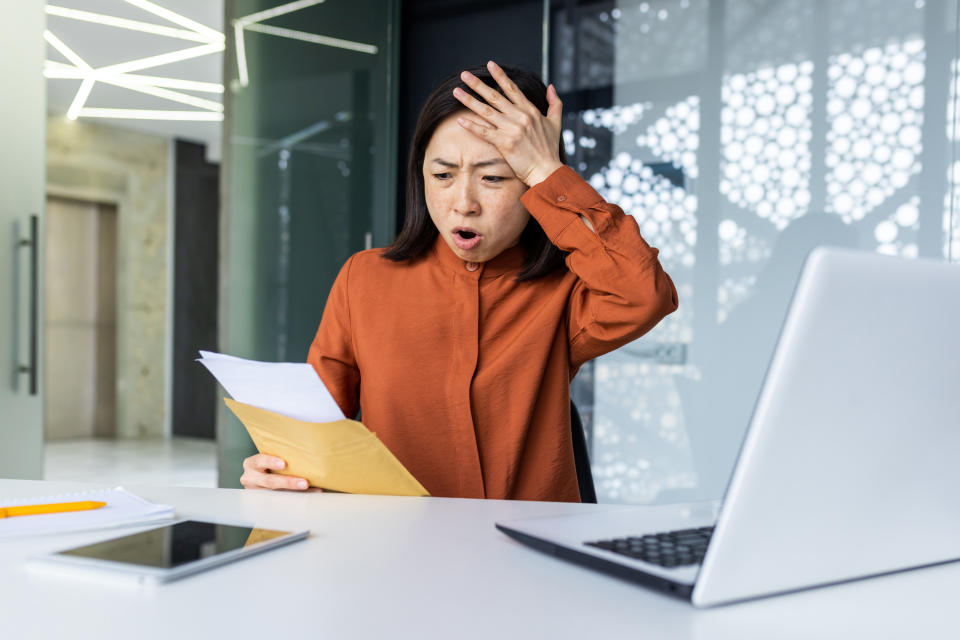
[122, 509]
[289, 413]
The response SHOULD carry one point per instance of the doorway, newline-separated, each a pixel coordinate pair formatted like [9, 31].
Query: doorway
[80, 370]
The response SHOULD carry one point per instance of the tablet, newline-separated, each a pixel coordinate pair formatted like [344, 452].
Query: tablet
[173, 550]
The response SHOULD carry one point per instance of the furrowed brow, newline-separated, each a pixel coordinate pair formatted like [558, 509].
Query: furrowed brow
[487, 163]
[482, 163]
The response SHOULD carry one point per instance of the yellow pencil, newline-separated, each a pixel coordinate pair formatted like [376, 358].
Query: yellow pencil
[36, 509]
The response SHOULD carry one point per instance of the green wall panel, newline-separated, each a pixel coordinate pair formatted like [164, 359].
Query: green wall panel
[309, 173]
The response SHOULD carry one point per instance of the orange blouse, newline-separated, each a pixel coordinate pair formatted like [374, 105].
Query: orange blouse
[465, 375]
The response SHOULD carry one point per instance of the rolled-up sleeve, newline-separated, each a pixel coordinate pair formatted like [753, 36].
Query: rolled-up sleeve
[622, 290]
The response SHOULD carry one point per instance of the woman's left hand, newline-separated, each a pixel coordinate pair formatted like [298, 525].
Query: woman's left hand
[527, 140]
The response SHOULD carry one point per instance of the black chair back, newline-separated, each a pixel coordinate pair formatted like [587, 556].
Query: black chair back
[581, 457]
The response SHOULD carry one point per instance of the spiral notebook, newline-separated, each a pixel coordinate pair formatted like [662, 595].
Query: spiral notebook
[123, 509]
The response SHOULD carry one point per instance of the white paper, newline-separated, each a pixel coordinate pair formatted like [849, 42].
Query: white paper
[292, 389]
[122, 509]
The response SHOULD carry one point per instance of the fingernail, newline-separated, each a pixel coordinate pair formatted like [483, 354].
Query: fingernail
[278, 464]
[301, 484]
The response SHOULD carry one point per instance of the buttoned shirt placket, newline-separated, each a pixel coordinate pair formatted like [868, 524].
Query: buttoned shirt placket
[466, 356]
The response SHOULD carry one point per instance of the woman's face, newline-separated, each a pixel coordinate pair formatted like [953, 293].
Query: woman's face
[472, 193]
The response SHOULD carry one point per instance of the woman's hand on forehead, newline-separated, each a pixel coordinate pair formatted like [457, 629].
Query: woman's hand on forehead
[527, 140]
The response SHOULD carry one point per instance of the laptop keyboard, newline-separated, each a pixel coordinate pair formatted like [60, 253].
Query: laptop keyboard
[668, 549]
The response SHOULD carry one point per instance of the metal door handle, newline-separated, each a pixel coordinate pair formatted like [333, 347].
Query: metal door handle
[31, 367]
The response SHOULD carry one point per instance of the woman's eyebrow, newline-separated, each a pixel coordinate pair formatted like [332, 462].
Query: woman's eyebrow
[482, 163]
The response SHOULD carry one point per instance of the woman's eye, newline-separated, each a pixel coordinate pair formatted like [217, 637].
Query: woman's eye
[442, 176]
[494, 178]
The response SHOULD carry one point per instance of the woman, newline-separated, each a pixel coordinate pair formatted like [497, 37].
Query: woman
[459, 341]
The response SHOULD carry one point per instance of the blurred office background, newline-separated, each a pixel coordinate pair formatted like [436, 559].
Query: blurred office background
[186, 175]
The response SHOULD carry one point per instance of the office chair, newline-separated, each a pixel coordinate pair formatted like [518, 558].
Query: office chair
[581, 458]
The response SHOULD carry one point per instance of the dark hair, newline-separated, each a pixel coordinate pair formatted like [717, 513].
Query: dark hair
[541, 257]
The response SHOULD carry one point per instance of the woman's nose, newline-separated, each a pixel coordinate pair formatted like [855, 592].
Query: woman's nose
[465, 202]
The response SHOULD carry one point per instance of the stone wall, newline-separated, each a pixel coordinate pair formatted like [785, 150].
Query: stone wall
[100, 163]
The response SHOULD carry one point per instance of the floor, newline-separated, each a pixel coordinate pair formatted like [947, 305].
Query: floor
[177, 461]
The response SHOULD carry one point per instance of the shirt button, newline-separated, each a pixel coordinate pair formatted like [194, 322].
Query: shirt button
[471, 266]
[561, 198]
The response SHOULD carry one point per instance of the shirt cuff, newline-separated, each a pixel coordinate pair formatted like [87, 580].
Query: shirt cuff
[563, 189]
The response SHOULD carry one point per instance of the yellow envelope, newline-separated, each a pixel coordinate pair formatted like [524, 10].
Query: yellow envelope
[343, 455]
[262, 535]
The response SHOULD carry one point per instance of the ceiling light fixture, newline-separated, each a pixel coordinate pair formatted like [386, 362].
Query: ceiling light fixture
[167, 94]
[119, 74]
[241, 53]
[123, 23]
[252, 23]
[147, 114]
[176, 18]
[80, 99]
[59, 70]
[279, 10]
[163, 58]
[65, 51]
[314, 38]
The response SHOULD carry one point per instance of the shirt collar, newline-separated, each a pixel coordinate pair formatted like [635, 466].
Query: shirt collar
[507, 261]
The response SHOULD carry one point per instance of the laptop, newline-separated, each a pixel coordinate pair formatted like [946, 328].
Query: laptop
[848, 468]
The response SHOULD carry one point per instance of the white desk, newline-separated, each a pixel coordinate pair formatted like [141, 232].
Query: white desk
[379, 567]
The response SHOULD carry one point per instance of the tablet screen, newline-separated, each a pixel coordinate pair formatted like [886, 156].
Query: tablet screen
[174, 545]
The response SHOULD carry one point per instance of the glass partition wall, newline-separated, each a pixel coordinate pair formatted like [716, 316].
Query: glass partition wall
[740, 134]
[309, 175]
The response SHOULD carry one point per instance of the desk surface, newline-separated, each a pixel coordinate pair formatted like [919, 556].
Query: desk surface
[423, 568]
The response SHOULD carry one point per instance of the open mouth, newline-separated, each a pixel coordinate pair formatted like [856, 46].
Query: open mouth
[466, 239]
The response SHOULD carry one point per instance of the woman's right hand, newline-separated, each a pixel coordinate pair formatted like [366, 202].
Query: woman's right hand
[257, 474]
